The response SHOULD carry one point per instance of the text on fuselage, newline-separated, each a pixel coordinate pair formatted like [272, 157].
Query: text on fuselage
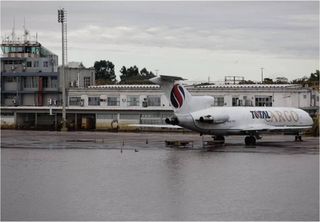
[276, 116]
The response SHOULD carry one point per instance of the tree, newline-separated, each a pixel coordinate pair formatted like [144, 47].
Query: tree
[104, 71]
[267, 81]
[128, 75]
[301, 81]
[314, 77]
[313, 80]
[249, 82]
[133, 76]
[146, 74]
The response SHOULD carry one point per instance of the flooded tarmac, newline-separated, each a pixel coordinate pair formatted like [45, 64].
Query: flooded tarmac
[134, 176]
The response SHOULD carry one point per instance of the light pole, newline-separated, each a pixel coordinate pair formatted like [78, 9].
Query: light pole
[61, 19]
[262, 75]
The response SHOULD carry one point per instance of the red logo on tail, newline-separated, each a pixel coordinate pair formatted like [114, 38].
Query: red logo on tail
[177, 96]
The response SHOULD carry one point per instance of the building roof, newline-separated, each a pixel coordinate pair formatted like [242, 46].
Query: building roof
[251, 86]
[124, 86]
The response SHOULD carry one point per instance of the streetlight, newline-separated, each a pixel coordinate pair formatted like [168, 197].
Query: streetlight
[61, 19]
[261, 75]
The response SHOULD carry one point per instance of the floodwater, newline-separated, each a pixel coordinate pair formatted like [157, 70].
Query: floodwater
[85, 176]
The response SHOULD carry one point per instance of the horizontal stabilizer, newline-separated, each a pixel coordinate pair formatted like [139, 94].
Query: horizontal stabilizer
[170, 78]
[163, 78]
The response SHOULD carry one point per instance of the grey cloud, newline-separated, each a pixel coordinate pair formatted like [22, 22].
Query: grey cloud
[276, 28]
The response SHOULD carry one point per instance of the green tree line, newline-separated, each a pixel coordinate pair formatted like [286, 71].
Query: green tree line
[105, 74]
[312, 80]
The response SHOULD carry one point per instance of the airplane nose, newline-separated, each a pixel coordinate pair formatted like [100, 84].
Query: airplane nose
[310, 120]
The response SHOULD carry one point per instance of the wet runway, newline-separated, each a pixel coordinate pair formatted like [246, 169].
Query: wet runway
[85, 176]
[147, 141]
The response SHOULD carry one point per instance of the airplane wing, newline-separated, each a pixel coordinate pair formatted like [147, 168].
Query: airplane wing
[156, 126]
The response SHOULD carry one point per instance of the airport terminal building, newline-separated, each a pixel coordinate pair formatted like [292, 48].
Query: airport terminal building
[31, 94]
[115, 107]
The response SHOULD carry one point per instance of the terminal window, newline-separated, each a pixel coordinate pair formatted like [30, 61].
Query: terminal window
[10, 79]
[154, 100]
[151, 118]
[36, 64]
[86, 82]
[218, 101]
[263, 101]
[94, 101]
[235, 101]
[113, 101]
[30, 82]
[74, 101]
[45, 81]
[133, 101]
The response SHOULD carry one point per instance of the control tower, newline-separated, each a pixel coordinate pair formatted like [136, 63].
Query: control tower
[29, 73]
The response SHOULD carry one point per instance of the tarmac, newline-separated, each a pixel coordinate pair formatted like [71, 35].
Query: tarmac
[143, 141]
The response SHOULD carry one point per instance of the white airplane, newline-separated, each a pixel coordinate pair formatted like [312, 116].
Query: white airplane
[197, 113]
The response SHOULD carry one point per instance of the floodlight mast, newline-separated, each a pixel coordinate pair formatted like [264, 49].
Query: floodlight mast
[61, 19]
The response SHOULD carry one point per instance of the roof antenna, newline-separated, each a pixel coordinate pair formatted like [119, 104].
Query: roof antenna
[13, 34]
[26, 32]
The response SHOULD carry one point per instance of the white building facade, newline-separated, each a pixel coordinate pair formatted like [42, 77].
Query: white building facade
[116, 107]
[143, 96]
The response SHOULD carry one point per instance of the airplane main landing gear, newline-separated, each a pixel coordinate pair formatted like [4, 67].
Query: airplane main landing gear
[219, 139]
[298, 138]
[250, 140]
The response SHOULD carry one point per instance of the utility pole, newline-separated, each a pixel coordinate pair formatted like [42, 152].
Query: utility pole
[61, 19]
[261, 75]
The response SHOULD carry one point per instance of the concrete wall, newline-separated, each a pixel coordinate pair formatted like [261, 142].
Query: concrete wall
[8, 121]
[75, 77]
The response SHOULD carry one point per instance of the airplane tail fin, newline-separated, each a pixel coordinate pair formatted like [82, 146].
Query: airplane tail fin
[176, 93]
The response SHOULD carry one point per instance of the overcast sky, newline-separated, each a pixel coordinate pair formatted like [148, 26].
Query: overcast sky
[195, 40]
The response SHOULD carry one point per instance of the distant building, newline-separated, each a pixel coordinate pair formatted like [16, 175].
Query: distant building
[29, 74]
[78, 76]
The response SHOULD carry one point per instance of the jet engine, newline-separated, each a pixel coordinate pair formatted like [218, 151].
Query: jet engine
[214, 119]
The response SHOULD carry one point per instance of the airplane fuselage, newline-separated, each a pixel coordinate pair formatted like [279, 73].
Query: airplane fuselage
[243, 120]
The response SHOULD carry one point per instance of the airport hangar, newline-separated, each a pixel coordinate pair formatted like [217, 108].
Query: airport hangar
[115, 107]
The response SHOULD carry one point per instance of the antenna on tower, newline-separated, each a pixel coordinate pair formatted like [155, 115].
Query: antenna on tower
[26, 32]
[13, 34]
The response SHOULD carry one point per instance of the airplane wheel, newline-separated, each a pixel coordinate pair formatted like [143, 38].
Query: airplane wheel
[250, 140]
[219, 139]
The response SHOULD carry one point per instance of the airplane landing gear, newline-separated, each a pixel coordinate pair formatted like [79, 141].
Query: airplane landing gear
[250, 140]
[219, 139]
[297, 138]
